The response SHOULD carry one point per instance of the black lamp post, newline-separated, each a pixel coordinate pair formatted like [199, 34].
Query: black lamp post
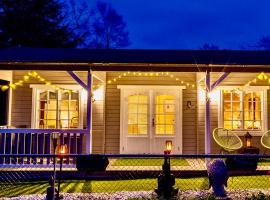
[166, 180]
[62, 151]
[248, 142]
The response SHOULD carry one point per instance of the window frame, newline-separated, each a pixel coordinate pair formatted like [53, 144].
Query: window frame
[264, 107]
[34, 114]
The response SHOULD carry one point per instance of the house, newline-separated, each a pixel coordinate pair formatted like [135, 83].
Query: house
[130, 101]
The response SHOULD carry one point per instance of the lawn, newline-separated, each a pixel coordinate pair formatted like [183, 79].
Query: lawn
[264, 162]
[82, 186]
[148, 162]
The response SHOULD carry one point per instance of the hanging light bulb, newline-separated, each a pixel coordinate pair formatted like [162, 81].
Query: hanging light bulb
[4, 88]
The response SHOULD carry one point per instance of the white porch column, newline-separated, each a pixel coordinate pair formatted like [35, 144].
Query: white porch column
[207, 147]
[89, 113]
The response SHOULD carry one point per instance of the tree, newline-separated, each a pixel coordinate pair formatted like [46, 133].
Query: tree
[263, 43]
[208, 46]
[108, 29]
[34, 23]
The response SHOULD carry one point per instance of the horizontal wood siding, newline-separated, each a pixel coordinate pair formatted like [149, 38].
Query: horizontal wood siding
[112, 105]
[22, 103]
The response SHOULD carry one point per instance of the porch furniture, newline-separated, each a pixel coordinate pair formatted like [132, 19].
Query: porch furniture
[265, 140]
[227, 140]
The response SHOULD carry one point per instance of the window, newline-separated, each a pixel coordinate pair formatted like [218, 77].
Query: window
[243, 110]
[56, 108]
[137, 114]
[165, 114]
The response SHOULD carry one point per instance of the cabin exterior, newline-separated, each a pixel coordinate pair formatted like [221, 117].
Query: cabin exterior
[130, 101]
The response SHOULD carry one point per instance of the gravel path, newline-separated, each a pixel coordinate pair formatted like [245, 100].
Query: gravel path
[183, 195]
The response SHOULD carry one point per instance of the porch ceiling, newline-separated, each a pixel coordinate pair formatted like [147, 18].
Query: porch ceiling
[134, 60]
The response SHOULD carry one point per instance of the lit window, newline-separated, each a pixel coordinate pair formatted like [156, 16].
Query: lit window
[57, 109]
[165, 114]
[137, 114]
[242, 110]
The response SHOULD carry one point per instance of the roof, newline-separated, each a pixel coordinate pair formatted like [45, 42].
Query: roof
[130, 59]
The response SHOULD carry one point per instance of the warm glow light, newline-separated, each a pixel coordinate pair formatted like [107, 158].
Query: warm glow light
[98, 94]
[168, 144]
[63, 149]
[214, 95]
[4, 88]
[201, 95]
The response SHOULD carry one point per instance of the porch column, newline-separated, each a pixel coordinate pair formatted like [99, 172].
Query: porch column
[207, 114]
[89, 113]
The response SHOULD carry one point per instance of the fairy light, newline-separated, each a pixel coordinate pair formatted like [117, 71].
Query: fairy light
[152, 74]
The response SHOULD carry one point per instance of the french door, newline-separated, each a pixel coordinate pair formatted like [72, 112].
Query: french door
[150, 115]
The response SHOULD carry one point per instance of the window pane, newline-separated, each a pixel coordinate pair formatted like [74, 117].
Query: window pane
[51, 123]
[257, 125]
[74, 105]
[132, 119]
[43, 95]
[74, 122]
[236, 106]
[257, 96]
[248, 124]
[133, 99]
[236, 115]
[50, 114]
[226, 96]
[169, 108]
[75, 95]
[227, 106]
[169, 119]
[227, 116]
[160, 129]
[257, 116]
[65, 96]
[235, 96]
[64, 105]
[142, 119]
[142, 129]
[132, 108]
[142, 99]
[228, 125]
[52, 95]
[132, 129]
[248, 116]
[64, 123]
[160, 119]
[248, 96]
[236, 125]
[257, 105]
[160, 109]
[51, 105]
[142, 108]
[169, 129]
[64, 115]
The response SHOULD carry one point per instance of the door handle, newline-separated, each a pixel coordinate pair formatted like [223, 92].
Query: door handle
[153, 122]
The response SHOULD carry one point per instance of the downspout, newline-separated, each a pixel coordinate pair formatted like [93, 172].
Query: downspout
[207, 114]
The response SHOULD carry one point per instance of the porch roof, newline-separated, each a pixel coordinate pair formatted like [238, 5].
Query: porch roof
[137, 60]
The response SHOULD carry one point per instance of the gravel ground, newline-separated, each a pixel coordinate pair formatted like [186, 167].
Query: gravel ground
[183, 195]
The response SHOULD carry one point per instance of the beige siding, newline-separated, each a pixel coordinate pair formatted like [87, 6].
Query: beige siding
[22, 103]
[112, 99]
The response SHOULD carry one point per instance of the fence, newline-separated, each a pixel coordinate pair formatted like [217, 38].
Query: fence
[132, 176]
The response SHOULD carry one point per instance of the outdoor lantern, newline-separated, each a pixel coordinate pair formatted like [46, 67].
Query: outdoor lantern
[168, 145]
[248, 138]
[62, 149]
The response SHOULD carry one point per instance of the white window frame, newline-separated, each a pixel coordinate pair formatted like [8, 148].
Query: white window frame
[36, 87]
[263, 106]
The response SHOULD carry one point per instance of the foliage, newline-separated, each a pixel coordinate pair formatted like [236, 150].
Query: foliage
[259, 196]
[108, 29]
[34, 23]
[264, 43]
[208, 46]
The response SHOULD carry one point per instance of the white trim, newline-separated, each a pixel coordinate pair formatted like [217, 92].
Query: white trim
[149, 90]
[36, 87]
[242, 132]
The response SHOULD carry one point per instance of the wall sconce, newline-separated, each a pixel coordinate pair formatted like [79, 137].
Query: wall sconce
[248, 138]
[168, 147]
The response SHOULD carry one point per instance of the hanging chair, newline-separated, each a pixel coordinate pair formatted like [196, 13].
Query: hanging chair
[265, 140]
[227, 140]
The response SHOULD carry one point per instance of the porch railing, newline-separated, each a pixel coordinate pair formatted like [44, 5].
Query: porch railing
[38, 141]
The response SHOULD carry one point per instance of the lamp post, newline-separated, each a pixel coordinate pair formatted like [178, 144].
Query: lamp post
[166, 180]
[62, 151]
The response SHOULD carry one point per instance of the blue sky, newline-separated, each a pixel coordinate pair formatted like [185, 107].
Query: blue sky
[188, 24]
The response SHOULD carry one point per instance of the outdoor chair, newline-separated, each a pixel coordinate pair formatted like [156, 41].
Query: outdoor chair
[227, 140]
[265, 140]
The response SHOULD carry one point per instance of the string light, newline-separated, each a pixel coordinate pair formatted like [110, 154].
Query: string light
[156, 74]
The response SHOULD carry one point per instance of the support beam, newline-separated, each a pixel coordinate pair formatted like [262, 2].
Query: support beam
[219, 80]
[89, 113]
[77, 79]
[207, 114]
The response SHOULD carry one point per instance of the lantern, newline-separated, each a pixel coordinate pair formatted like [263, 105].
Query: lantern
[248, 138]
[168, 145]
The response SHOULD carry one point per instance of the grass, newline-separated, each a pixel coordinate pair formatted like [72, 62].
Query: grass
[82, 186]
[264, 162]
[148, 162]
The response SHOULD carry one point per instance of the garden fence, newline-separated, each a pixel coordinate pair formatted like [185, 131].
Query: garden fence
[129, 176]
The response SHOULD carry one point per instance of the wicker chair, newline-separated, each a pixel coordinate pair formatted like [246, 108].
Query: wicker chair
[227, 140]
[265, 140]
